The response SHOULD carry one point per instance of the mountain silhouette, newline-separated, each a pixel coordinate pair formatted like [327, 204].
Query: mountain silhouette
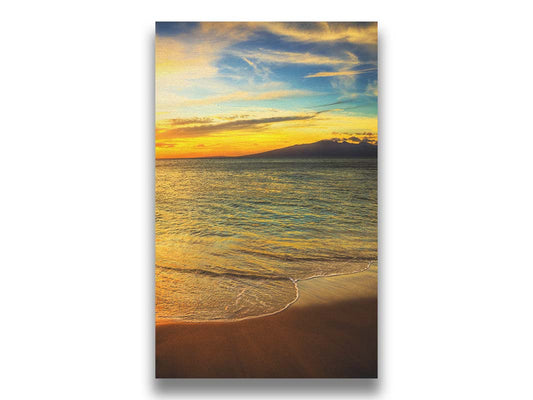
[322, 149]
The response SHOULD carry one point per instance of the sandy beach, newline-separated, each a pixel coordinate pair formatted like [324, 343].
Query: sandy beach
[329, 332]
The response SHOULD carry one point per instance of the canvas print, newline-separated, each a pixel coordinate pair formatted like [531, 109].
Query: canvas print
[266, 199]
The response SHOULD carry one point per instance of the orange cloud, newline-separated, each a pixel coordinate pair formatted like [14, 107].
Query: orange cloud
[362, 33]
[357, 33]
[339, 73]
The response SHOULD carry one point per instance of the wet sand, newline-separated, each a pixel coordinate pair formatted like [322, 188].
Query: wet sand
[330, 332]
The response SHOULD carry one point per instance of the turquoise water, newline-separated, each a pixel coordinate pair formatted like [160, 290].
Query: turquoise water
[233, 236]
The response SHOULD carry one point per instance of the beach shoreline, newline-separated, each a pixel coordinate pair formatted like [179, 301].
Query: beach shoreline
[329, 332]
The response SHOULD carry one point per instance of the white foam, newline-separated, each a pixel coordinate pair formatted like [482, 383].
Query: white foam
[295, 283]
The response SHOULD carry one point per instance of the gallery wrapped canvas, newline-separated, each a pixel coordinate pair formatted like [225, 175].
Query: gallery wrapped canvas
[266, 200]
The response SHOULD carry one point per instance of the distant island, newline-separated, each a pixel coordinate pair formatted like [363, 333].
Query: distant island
[322, 149]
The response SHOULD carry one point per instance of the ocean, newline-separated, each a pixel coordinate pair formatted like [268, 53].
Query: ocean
[235, 235]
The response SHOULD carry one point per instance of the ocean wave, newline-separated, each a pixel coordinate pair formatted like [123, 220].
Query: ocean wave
[257, 276]
[241, 298]
[289, 258]
[200, 271]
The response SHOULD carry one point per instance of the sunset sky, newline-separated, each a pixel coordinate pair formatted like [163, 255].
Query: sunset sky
[227, 89]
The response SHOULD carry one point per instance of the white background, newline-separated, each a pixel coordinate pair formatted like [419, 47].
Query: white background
[76, 215]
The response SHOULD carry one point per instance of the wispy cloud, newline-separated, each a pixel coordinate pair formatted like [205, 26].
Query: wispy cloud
[291, 57]
[361, 33]
[249, 62]
[356, 33]
[262, 71]
[372, 89]
[339, 73]
[247, 96]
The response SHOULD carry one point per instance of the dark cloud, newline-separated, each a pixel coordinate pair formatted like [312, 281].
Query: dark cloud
[358, 140]
[188, 121]
[342, 108]
[337, 102]
[358, 134]
[323, 111]
[242, 124]
[339, 140]
[355, 137]
[234, 116]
